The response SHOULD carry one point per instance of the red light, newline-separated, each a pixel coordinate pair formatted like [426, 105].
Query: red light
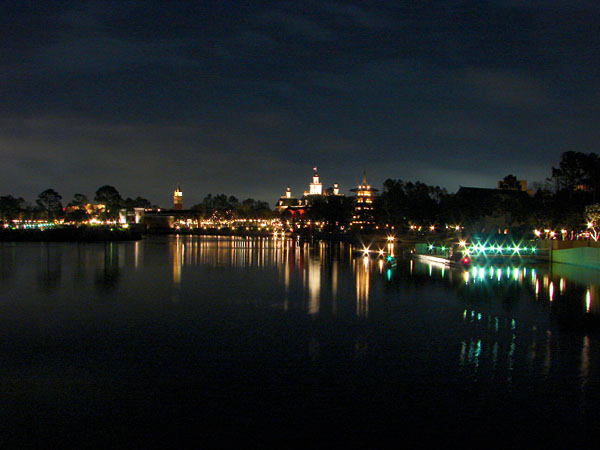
[465, 260]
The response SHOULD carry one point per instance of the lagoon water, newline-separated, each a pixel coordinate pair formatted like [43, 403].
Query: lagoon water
[270, 340]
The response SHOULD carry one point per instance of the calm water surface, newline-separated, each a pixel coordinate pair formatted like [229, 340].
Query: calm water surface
[269, 340]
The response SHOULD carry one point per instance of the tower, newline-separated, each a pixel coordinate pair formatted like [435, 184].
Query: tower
[316, 188]
[363, 215]
[178, 199]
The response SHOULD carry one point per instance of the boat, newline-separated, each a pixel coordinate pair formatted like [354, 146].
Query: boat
[445, 260]
[446, 255]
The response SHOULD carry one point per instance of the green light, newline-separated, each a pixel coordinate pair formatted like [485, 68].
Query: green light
[430, 247]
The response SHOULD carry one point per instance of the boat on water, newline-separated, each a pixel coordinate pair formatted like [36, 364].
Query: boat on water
[464, 254]
[448, 255]
[447, 260]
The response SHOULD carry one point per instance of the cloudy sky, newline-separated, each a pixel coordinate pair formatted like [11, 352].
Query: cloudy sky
[245, 97]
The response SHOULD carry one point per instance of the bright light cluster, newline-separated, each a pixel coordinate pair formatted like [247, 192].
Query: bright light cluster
[480, 248]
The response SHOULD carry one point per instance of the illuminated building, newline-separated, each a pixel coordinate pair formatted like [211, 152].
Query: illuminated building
[297, 207]
[178, 199]
[315, 191]
[314, 188]
[335, 190]
[363, 216]
[286, 201]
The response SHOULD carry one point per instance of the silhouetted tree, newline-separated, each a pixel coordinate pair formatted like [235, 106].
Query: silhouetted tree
[138, 202]
[10, 207]
[401, 203]
[335, 211]
[577, 171]
[49, 202]
[79, 200]
[510, 182]
[110, 198]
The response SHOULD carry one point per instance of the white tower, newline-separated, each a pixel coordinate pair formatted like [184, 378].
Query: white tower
[316, 188]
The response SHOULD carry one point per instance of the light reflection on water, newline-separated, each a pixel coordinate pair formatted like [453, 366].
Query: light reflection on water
[496, 336]
[512, 326]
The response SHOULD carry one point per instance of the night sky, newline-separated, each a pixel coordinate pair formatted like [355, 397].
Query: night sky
[245, 97]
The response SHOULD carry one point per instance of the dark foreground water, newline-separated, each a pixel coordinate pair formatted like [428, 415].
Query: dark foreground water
[264, 341]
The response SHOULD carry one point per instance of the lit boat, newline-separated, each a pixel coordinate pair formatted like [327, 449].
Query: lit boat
[459, 261]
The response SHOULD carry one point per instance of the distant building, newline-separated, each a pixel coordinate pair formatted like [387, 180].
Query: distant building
[522, 185]
[178, 199]
[363, 216]
[286, 201]
[314, 188]
[335, 190]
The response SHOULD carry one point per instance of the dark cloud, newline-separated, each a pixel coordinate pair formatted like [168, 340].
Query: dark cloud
[246, 97]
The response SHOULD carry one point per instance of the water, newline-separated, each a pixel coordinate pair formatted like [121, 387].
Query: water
[271, 341]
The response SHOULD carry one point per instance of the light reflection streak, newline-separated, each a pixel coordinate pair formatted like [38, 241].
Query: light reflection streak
[334, 279]
[177, 260]
[137, 254]
[584, 367]
[532, 349]
[548, 355]
[511, 359]
[362, 288]
[588, 300]
[494, 356]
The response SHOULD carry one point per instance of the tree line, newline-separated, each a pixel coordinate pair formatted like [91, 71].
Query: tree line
[49, 205]
[561, 200]
[223, 207]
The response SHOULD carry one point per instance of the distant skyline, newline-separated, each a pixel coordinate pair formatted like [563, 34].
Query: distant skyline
[245, 98]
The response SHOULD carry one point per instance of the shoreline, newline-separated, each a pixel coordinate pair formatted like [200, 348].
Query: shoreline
[70, 234]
